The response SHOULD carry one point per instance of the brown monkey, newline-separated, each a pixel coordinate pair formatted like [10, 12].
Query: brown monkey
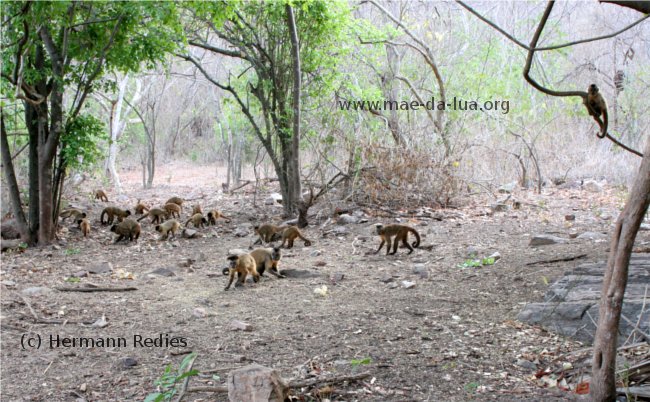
[196, 209]
[171, 225]
[140, 208]
[596, 106]
[172, 210]
[113, 212]
[289, 234]
[176, 200]
[267, 258]
[401, 233]
[84, 225]
[156, 215]
[198, 220]
[242, 265]
[267, 231]
[75, 213]
[128, 228]
[101, 195]
[214, 215]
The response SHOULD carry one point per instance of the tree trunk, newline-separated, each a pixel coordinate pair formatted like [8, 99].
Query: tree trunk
[603, 381]
[12, 184]
[295, 191]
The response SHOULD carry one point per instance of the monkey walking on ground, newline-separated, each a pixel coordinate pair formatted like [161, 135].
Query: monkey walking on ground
[290, 234]
[198, 220]
[140, 208]
[128, 228]
[156, 215]
[101, 195]
[243, 265]
[172, 209]
[74, 213]
[84, 225]
[265, 259]
[176, 200]
[267, 232]
[111, 213]
[214, 215]
[171, 225]
[196, 209]
[596, 106]
[401, 234]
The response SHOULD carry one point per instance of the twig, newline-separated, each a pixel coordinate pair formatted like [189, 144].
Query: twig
[125, 289]
[31, 310]
[636, 328]
[238, 187]
[575, 257]
[638, 321]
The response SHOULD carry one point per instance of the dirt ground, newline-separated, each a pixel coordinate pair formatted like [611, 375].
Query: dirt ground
[451, 337]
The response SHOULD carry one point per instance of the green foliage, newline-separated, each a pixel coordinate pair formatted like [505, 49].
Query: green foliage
[170, 378]
[359, 362]
[476, 263]
[71, 251]
[73, 279]
[79, 142]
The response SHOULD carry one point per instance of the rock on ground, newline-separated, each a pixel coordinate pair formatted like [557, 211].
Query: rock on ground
[255, 383]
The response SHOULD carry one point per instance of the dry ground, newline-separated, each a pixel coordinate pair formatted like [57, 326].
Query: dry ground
[452, 337]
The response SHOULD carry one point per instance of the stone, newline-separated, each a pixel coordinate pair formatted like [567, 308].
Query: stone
[9, 284]
[273, 198]
[498, 207]
[101, 268]
[508, 188]
[36, 291]
[241, 232]
[526, 364]
[315, 253]
[162, 272]
[387, 278]
[199, 312]
[496, 255]
[592, 236]
[345, 219]
[592, 186]
[408, 284]
[645, 226]
[544, 239]
[237, 325]
[129, 362]
[189, 233]
[336, 277]
[421, 270]
[237, 251]
[571, 304]
[569, 217]
[80, 274]
[255, 383]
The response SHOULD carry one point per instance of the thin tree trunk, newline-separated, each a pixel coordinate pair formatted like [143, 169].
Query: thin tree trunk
[295, 191]
[12, 184]
[603, 382]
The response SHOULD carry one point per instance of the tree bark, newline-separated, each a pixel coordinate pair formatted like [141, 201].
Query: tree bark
[603, 382]
[295, 191]
[12, 184]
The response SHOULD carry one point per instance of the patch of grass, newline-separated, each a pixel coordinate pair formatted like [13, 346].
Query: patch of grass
[471, 387]
[359, 362]
[167, 382]
[477, 263]
[71, 251]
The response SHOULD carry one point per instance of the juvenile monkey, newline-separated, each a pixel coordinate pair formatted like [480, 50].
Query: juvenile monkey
[176, 200]
[267, 231]
[172, 210]
[75, 213]
[401, 234]
[101, 195]
[196, 209]
[267, 258]
[243, 265]
[111, 213]
[140, 208]
[198, 220]
[289, 234]
[596, 106]
[156, 215]
[128, 228]
[171, 225]
[214, 215]
[84, 225]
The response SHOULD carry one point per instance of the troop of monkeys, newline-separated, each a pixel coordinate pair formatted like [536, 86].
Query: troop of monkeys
[254, 263]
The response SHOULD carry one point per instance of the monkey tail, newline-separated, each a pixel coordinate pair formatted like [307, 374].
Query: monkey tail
[101, 217]
[603, 132]
[143, 216]
[416, 243]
